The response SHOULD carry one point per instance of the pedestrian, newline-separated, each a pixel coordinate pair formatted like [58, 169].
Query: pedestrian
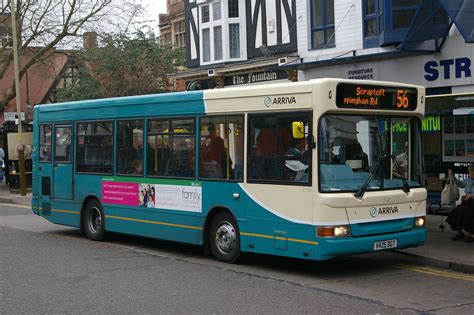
[461, 218]
[2, 163]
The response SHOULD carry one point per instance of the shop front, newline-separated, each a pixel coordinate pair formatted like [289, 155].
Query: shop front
[448, 129]
[234, 75]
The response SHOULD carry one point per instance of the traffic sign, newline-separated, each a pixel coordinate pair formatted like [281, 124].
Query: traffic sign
[11, 116]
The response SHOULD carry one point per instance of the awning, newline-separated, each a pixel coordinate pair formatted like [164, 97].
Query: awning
[433, 20]
[428, 29]
[461, 13]
[346, 60]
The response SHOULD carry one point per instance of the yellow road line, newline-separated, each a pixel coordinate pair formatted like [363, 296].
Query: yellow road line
[279, 238]
[153, 222]
[436, 272]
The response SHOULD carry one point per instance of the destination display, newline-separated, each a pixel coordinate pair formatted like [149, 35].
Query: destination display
[365, 96]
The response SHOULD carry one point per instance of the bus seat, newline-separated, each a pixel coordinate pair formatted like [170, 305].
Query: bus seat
[211, 170]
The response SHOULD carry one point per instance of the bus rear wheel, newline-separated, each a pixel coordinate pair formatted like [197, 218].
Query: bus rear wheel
[93, 221]
[224, 238]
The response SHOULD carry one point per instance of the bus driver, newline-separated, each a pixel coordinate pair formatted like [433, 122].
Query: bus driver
[299, 149]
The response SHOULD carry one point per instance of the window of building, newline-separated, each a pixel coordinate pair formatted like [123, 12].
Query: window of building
[95, 142]
[218, 43]
[206, 45]
[205, 13]
[45, 143]
[234, 40]
[386, 22]
[170, 148]
[233, 8]
[165, 39]
[5, 37]
[322, 24]
[370, 19]
[179, 34]
[221, 151]
[221, 39]
[129, 147]
[403, 12]
[373, 21]
[216, 11]
[274, 156]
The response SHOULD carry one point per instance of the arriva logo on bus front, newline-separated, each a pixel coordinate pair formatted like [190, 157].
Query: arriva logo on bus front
[383, 210]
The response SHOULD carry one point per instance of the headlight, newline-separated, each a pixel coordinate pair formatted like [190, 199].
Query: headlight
[333, 231]
[420, 221]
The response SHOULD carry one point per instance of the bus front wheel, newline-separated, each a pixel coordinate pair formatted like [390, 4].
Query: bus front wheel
[93, 221]
[224, 238]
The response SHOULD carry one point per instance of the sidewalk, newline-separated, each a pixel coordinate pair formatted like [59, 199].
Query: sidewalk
[7, 197]
[438, 251]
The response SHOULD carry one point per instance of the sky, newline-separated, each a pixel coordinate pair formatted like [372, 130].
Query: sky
[152, 9]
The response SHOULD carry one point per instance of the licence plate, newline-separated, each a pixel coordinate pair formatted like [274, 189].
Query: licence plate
[380, 245]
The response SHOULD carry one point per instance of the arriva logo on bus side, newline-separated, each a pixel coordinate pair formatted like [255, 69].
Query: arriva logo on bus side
[285, 100]
[383, 210]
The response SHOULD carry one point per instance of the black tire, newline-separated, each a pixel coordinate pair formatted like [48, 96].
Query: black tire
[93, 221]
[224, 238]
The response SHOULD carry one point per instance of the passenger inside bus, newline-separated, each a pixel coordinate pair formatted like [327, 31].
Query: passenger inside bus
[298, 171]
[216, 159]
[137, 167]
[266, 144]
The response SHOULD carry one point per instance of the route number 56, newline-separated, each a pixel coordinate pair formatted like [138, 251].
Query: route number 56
[402, 99]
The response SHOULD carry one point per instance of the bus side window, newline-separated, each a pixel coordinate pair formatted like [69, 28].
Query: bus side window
[130, 147]
[170, 148]
[273, 154]
[221, 148]
[94, 152]
[45, 143]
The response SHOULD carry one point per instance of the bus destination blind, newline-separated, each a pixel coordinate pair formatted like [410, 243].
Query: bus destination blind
[364, 96]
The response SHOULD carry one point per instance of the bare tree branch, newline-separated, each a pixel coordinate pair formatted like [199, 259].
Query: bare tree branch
[49, 24]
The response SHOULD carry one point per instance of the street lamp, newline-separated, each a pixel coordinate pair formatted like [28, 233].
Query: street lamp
[21, 151]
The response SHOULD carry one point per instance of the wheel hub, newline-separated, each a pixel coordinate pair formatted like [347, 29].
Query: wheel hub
[95, 220]
[225, 238]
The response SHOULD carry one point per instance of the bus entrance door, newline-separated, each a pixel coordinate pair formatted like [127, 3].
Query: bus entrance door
[62, 162]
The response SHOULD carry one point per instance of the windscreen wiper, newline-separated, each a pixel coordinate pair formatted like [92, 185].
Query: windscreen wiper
[372, 170]
[406, 187]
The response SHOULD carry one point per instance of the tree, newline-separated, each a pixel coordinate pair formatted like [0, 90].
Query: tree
[123, 65]
[48, 24]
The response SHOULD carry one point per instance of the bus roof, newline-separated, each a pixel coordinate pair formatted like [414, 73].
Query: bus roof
[318, 94]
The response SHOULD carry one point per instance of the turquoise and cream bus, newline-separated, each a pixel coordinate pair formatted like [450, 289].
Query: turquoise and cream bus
[309, 170]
